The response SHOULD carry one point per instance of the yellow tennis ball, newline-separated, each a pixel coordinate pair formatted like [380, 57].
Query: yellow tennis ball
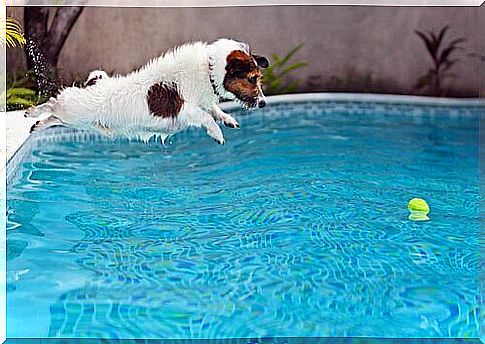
[419, 209]
[418, 204]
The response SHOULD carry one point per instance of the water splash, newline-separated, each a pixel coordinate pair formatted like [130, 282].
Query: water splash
[43, 72]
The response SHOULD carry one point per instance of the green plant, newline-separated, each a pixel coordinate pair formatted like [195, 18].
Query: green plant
[19, 97]
[275, 77]
[19, 94]
[442, 61]
[11, 33]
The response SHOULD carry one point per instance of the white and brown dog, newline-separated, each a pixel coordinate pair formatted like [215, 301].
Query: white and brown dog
[182, 88]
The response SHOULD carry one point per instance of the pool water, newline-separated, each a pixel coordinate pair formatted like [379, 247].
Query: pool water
[297, 226]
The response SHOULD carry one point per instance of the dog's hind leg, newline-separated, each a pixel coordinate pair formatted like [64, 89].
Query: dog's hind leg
[46, 123]
[227, 119]
[42, 109]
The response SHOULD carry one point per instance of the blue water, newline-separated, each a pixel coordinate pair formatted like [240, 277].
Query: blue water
[298, 226]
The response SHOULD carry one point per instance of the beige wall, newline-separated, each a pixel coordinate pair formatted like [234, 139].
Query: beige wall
[343, 45]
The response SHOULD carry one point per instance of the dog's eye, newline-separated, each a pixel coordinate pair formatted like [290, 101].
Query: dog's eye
[252, 79]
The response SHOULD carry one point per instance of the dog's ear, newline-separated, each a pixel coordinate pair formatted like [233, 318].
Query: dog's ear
[261, 61]
[237, 66]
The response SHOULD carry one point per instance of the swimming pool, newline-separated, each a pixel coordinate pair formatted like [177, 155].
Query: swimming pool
[298, 226]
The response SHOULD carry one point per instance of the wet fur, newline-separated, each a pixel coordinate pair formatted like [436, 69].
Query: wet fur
[181, 88]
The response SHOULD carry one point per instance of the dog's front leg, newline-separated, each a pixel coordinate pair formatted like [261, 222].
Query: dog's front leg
[205, 120]
[227, 119]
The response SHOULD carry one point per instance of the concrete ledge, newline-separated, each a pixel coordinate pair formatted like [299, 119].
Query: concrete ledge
[17, 131]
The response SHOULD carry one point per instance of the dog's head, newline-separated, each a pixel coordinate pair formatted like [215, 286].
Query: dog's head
[240, 73]
[243, 77]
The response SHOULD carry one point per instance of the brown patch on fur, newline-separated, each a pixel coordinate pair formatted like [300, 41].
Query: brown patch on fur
[164, 100]
[242, 77]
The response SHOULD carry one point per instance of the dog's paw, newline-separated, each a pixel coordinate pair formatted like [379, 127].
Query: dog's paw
[35, 127]
[43, 109]
[221, 142]
[215, 132]
[230, 122]
[218, 138]
[29, 112]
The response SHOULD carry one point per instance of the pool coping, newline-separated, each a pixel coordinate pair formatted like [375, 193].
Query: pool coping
[369, 97]
[18, 127]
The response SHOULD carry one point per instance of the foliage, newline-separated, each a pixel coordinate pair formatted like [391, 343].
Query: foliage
[20, 94]
[275, 77]
[442, 60]
[11, 33]
[20, 97]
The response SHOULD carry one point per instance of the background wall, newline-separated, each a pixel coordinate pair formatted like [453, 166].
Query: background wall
[353, 48]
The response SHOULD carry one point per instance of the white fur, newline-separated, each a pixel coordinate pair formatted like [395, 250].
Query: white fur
[118, 106]
[96, 75]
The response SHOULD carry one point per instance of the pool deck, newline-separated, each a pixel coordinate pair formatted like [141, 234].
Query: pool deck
[17, 127]
[17, 131]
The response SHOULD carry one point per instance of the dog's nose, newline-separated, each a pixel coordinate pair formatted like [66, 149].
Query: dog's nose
[262, 103]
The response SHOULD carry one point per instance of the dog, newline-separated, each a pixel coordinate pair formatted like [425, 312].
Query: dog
[177, 90]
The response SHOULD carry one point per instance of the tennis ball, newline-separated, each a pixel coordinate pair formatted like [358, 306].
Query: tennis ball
[419, 209]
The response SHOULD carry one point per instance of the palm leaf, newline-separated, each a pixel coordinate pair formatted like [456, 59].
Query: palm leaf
[275, 84]
[428, 42]
[445, 53]
[276, 59]
[292, 67]
[457, 41]
[11, 33]
[441, 55]
[452, 46]
[291, 87]
[442, 33]
[291, 53]
[424, 80]
[434, 40]
[448, 64]
[274, 77]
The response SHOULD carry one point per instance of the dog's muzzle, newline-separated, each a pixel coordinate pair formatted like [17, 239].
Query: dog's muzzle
[261, 99]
